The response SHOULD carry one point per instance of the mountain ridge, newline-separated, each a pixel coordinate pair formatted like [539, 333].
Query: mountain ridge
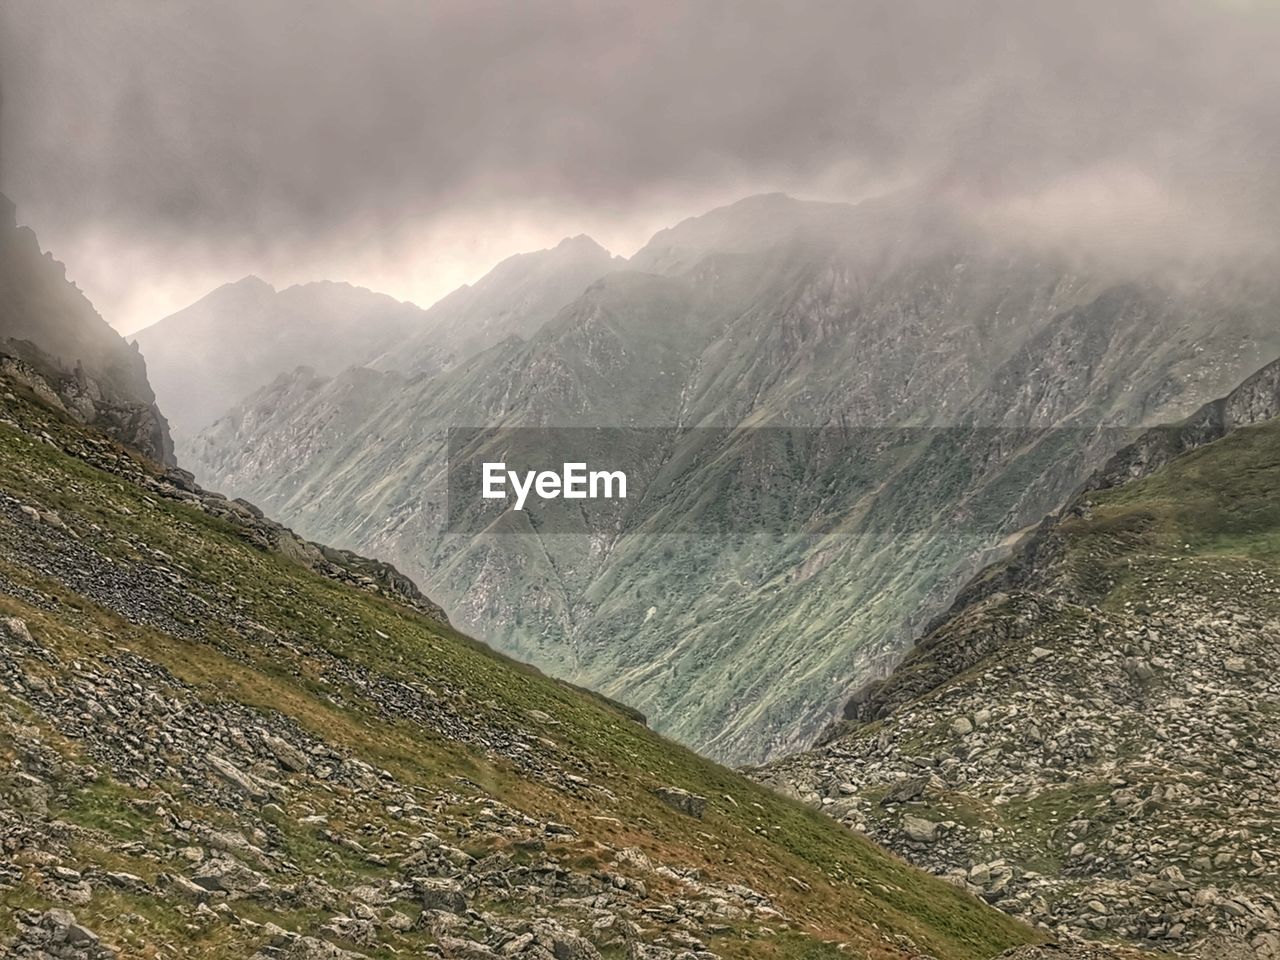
[241, 335]
[840, 329]
[514, 299]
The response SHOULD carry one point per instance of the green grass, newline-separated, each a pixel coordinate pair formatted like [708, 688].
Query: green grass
[1219, 500]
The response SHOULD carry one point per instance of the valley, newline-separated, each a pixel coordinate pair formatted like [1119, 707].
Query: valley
[836, 414]
[639, 481]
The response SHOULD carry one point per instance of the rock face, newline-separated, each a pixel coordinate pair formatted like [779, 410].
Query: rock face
[56, 934]
[1087, 739]
[216, 737]
[1255, 401]
[946, 392]
[682, 800]
[50, 332]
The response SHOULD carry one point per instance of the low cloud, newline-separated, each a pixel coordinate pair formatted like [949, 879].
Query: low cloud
[397, 138]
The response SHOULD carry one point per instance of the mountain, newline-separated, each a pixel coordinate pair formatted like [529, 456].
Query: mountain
[1087, 739]
[514, 299]
[50, 334]
[834, 415]
[220, 741]
[209, 356]
[751, 225]
[206, 357]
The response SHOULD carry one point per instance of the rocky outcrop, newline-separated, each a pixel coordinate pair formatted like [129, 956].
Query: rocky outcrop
[1255, 400]
[137, 425]
[56, 934]
[48, 325]
[937, 656]
[174, 483]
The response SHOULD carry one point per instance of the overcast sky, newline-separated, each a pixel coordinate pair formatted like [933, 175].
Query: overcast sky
[160, 149]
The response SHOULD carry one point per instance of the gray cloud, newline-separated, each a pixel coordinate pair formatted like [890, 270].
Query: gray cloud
[247, 132]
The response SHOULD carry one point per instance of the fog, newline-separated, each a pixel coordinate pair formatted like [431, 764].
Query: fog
[161, 149]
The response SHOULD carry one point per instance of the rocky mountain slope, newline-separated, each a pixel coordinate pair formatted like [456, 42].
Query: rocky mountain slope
[48, 325]
[930, 390]
[1089, 738]
[218, 744]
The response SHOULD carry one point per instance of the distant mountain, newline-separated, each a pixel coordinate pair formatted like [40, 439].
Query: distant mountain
[1087, 737]
[514, 299]
[49, 328]
[212, 354]
[206, 357]
[940, 390]
[748, 226]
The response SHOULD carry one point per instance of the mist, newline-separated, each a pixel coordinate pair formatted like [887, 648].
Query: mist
[161, 149]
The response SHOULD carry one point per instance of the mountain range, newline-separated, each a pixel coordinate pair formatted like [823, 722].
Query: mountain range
[224, 740]
[932, 389]
[237, 339]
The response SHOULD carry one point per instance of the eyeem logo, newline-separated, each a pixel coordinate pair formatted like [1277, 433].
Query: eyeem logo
[731, 481]
[574, 482]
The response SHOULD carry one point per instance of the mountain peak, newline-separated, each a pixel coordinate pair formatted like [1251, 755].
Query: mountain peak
[249, 282]
[581, 242]
[232, 341]
[514, 299]
[752, 223]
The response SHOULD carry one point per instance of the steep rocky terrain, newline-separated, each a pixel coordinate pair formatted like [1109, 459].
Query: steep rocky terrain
[1089, 738]
[935, 390]
[220, 741]
[47, 324]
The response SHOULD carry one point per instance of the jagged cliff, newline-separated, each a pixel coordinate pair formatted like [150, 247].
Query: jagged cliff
[50, 330]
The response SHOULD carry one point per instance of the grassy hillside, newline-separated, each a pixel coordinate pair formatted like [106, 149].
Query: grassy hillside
[210, 750]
